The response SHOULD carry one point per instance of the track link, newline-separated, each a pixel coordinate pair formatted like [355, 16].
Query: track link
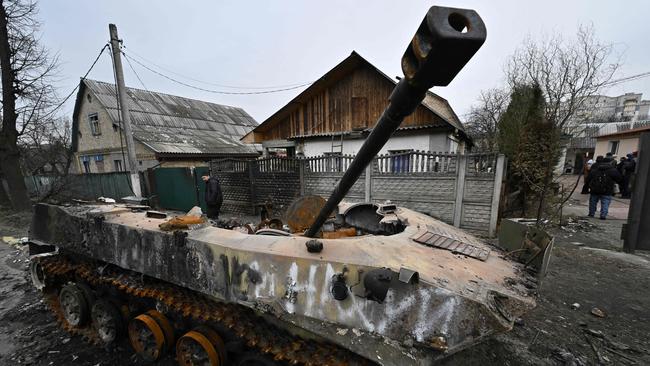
[254, 332]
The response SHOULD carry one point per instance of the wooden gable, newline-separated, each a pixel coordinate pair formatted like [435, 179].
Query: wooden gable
[350, 97]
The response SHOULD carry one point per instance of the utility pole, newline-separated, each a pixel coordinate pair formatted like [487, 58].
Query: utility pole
[126, 115]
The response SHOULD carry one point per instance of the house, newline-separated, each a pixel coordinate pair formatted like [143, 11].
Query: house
[336, 113]
[599, 115]
[620, 143]
[168, 130]
[582, 144]
[602, 108]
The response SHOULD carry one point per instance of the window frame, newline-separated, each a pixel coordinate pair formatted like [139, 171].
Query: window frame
[95, 127]
[613, 146]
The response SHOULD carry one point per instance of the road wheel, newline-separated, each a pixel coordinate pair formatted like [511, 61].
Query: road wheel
[201, 347]
[151, 335]
[75, 306]
[107, 320]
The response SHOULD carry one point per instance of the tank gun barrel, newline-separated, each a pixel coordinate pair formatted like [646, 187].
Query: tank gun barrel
[445, 41]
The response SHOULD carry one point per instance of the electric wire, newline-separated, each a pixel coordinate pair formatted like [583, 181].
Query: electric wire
[76, 87]
[211, 90]
[627, 78]
[139, 78]
[143, 59]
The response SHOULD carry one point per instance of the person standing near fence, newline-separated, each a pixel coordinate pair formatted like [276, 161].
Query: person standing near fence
[213, 196]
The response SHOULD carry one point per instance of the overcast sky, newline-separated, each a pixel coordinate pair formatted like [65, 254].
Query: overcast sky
[269, 43]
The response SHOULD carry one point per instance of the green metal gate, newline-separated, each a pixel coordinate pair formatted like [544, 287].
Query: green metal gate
[180, 188]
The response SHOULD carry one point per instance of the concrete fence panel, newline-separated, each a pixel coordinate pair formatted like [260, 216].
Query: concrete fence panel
[462, 190]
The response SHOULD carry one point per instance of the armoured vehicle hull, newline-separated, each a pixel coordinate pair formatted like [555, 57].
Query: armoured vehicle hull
[378, 284]
[388, 298]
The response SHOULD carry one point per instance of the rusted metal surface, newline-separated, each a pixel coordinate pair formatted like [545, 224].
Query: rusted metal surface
[340, 233]
[303, 211]
[452, 239]
[181, 222]
[457, 298]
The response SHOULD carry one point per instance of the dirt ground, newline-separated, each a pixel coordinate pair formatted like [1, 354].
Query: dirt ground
[587, 268]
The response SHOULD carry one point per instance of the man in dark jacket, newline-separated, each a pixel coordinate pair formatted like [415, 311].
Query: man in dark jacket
[628, 170]
[213, 196]
[601, 181]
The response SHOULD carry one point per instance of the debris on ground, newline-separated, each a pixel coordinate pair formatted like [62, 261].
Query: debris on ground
[597, 312]
[578, 224]
[14, 241]
[575, 306]
[106, 200]
[567, 358]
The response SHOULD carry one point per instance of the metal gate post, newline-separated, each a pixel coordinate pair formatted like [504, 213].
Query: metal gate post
[636, 233]
[460, 188]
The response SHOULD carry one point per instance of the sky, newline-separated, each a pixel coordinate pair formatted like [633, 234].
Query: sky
[277, 43]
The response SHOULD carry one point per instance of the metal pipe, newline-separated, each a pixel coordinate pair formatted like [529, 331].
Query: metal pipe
[445, 41]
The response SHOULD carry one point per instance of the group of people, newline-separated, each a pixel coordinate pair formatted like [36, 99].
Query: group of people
[601, 177]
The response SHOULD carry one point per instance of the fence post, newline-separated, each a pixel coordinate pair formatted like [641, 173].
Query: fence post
[460, 188]
[301, 171]
[251, 177]
[496, 194]
[368, 184]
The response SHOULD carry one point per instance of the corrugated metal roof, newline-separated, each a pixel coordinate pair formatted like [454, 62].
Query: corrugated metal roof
[170, 124]
[439, 105]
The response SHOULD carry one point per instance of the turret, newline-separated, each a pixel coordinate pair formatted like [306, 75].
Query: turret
[445, 41]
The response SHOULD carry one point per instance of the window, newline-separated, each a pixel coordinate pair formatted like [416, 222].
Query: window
[85, 160]
[613, 147]
[93, 119]
[118, 165]
[400, 163]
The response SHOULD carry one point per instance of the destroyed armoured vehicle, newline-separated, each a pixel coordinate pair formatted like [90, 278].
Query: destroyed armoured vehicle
[380, 284]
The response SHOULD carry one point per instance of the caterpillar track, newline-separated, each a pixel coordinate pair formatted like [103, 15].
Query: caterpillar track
[262, 342]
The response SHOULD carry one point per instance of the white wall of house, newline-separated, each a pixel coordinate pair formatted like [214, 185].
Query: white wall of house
[619, 145]
[440, 142]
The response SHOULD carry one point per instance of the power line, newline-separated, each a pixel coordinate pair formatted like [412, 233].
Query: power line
[138, 77]
[210, 90]
[627, 78]
[76, 87]
[134, 54]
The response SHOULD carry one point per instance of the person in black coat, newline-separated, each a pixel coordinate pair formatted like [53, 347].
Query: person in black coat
[213, 196]
[601, 179]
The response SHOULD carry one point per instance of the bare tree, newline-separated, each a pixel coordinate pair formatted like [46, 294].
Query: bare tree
[566, 71]
[482, 121]
[27, 91]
